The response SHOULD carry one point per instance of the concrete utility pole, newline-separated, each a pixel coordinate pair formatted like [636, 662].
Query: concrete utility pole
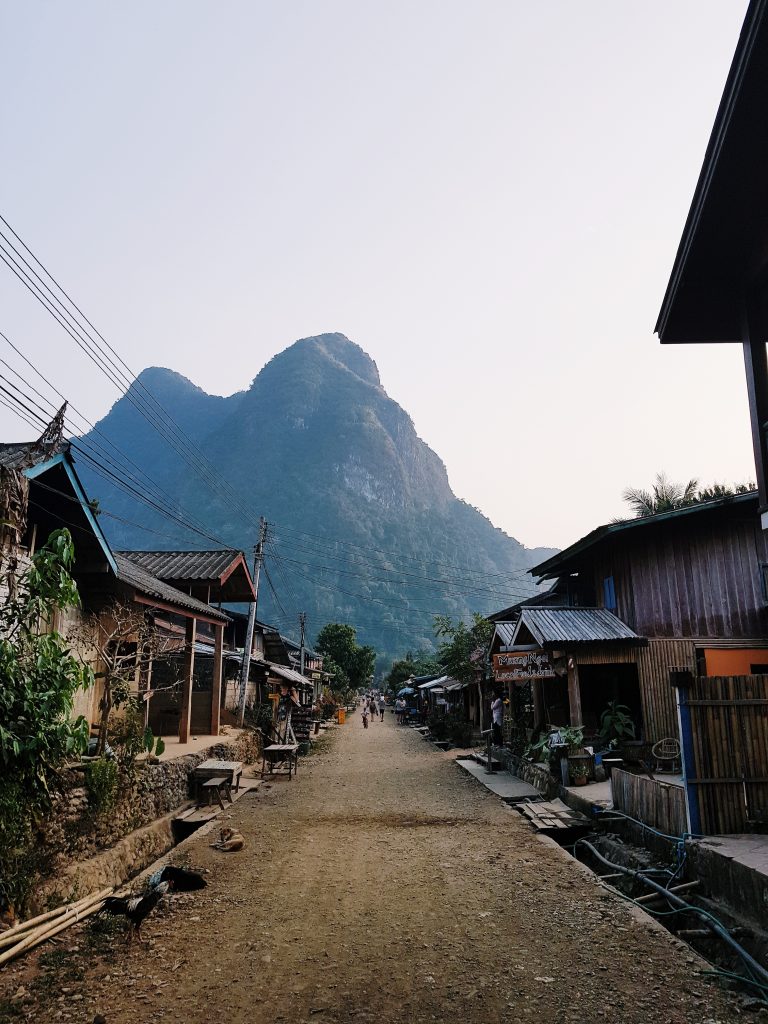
[258, 558]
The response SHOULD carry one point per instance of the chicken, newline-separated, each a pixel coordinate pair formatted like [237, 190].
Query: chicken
[135, 908]
[180, 879]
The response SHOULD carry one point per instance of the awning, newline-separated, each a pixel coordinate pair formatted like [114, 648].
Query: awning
[452, 687]
[288, 674]
[432, 683]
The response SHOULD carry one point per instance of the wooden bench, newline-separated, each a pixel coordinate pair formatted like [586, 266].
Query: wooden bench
[215, 786]
[280, 753]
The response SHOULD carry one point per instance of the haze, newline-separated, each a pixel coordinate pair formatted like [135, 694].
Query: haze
[487, 197]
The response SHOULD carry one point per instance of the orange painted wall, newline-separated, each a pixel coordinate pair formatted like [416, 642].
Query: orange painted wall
[734, 663]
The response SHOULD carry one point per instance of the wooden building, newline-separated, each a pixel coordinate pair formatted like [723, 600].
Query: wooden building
[686, 589]
[718, 288]
[57, 499]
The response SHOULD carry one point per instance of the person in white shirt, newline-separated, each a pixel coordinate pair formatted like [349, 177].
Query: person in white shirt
[497, 717]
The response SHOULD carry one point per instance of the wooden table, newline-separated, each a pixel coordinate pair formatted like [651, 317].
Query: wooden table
[279, 753]
[231, 770]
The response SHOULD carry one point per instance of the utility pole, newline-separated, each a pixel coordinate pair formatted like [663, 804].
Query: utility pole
[302, 627]
[258, 558]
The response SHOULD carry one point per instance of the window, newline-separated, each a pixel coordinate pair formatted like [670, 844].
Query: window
[764, 581]
[609, 594]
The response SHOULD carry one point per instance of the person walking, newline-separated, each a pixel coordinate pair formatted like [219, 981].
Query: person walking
[365, 716]
[382, 705]
[372, 707]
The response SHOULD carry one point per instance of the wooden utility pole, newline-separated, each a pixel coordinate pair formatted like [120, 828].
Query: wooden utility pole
[302, 628]
[258, 558]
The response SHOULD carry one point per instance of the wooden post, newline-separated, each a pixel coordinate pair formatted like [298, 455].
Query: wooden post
[218, 660]
[574, 693]
[757, 388]
[538, 704]
[189, 669]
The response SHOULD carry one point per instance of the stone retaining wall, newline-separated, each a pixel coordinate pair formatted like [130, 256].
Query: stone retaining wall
[74, 831]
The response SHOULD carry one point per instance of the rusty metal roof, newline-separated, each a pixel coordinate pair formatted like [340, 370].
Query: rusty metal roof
[151, 586]
[552, 626]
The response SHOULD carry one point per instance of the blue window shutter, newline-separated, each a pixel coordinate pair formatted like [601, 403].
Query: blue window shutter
[609, 594]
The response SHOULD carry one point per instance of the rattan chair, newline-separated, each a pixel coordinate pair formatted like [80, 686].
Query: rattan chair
[666, 754]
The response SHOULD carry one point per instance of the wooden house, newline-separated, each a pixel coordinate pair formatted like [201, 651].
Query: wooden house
[57, 499]
[718, 288]
[631, 601]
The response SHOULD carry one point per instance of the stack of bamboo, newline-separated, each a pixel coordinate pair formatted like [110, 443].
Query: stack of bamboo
[25, 936]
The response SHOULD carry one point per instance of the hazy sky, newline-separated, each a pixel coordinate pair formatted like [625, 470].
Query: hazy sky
[486, 195]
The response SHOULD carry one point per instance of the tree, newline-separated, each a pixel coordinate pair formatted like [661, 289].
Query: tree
[351, 663]
[464, 650]
[419, 664]
[39, 677]
[127, 644]
[664, 496]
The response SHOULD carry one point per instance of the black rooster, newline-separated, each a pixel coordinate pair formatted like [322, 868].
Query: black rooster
[179, 879]
[135, 908]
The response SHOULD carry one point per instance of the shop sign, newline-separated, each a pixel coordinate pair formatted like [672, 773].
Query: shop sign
[520, 666]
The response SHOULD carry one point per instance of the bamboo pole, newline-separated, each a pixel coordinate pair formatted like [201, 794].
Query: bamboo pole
[675, 888]
[7, 938]
[46, 931]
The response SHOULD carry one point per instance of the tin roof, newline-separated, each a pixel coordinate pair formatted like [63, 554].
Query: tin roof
[23, 454]
[151, 586]
[553, 626]
[219, 567]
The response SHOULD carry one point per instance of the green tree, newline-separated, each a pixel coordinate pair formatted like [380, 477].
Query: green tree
[419, 664]
[353, 663]
[664, 496]
[39, 677]
[463, 653]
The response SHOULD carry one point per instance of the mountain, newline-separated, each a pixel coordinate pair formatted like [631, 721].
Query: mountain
[364, 526]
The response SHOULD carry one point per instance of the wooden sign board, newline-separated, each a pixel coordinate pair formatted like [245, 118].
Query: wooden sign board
[520, 666]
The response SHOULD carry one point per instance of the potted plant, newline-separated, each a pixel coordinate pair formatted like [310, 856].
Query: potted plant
[578, 772]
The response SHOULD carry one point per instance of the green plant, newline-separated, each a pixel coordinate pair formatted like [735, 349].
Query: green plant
[578, 769]
[259, 716]
[616, 723]
[101, 782]
[40, 677]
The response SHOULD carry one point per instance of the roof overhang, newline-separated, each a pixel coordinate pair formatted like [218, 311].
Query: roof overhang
[565, 628]
[723, 252]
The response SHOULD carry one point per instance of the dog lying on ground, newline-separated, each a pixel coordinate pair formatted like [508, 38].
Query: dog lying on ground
[229, 840]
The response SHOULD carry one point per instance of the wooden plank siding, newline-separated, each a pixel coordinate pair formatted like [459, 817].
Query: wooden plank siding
[697, 577]
[654, 802]
[729, 726]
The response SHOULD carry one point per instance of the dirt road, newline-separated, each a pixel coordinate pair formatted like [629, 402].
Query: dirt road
[382, 884]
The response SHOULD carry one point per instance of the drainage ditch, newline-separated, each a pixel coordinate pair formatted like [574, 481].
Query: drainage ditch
[660, 881]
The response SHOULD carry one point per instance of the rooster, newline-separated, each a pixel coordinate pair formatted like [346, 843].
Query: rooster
[135, 908]
[179, 879]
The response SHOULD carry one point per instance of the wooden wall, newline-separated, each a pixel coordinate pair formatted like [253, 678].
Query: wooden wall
[698, 576]
[656, 803]
[653, 664]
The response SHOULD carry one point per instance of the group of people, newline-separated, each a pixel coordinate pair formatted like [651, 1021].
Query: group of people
[372, 708]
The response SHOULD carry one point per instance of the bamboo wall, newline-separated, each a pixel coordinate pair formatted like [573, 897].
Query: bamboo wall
[729, 727]
[658, 804]
[653, 664]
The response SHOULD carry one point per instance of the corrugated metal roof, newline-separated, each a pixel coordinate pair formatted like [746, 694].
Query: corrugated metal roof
[184, 565]
[505, 632]
[289, 675]
[575, 626]
[433, 682]
[151, 586]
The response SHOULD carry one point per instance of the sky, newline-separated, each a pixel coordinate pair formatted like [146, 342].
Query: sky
[486, 196]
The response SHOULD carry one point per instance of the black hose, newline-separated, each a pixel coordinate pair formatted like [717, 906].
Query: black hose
[717, 928]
